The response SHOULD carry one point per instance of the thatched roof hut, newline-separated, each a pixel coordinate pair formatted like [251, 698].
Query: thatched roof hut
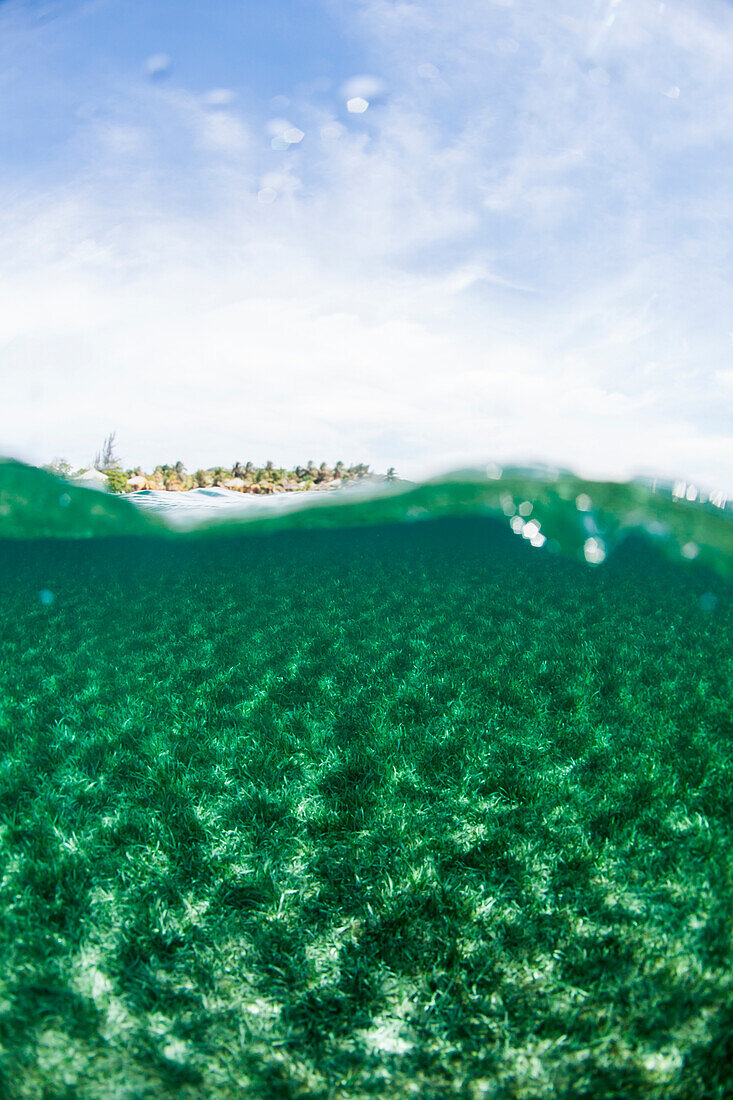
[91, 479]
[139, 481]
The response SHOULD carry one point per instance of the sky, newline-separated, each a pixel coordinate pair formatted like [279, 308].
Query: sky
[413, 233]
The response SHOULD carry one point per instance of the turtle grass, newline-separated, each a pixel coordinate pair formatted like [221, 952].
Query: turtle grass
[396, 811]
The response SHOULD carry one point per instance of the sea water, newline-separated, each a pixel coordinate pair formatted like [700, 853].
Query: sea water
[424, 791]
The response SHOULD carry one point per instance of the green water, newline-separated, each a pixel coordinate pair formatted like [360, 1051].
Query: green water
[378, 799]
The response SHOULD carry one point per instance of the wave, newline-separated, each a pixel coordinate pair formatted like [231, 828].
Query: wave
[551, 510]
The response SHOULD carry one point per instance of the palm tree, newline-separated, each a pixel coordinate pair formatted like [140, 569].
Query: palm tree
[172, 481]
[391, 475]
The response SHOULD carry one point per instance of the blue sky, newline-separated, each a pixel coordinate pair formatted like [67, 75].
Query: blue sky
[418, 234]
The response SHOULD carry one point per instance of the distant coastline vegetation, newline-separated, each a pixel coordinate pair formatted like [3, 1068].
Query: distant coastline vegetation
[243, 477]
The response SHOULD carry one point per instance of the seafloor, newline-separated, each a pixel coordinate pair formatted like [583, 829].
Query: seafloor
[395, 811]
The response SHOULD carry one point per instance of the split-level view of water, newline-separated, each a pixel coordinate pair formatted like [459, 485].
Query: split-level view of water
[424, 790]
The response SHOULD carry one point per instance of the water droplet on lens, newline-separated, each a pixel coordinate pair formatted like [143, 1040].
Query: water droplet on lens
[594, 550]
[708, 601]
[158, 64]
[46, 597]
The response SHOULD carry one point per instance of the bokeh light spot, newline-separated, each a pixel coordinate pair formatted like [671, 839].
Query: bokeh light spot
[157, 65]
[594, 550]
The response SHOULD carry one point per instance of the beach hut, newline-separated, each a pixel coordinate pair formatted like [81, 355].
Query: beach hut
[91, 479]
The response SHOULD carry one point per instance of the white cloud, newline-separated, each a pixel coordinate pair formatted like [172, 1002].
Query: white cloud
[223, 133]
[222, 346]
[484, 268]
[366, 87]
[219, 97]
[121, 139]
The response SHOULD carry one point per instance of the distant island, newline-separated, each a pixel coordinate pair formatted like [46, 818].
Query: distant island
[106, 472]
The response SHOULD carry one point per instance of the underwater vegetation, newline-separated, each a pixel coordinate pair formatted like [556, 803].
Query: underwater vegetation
[390, 809]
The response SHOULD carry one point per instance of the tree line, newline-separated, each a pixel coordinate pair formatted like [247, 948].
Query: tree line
[243, 477]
